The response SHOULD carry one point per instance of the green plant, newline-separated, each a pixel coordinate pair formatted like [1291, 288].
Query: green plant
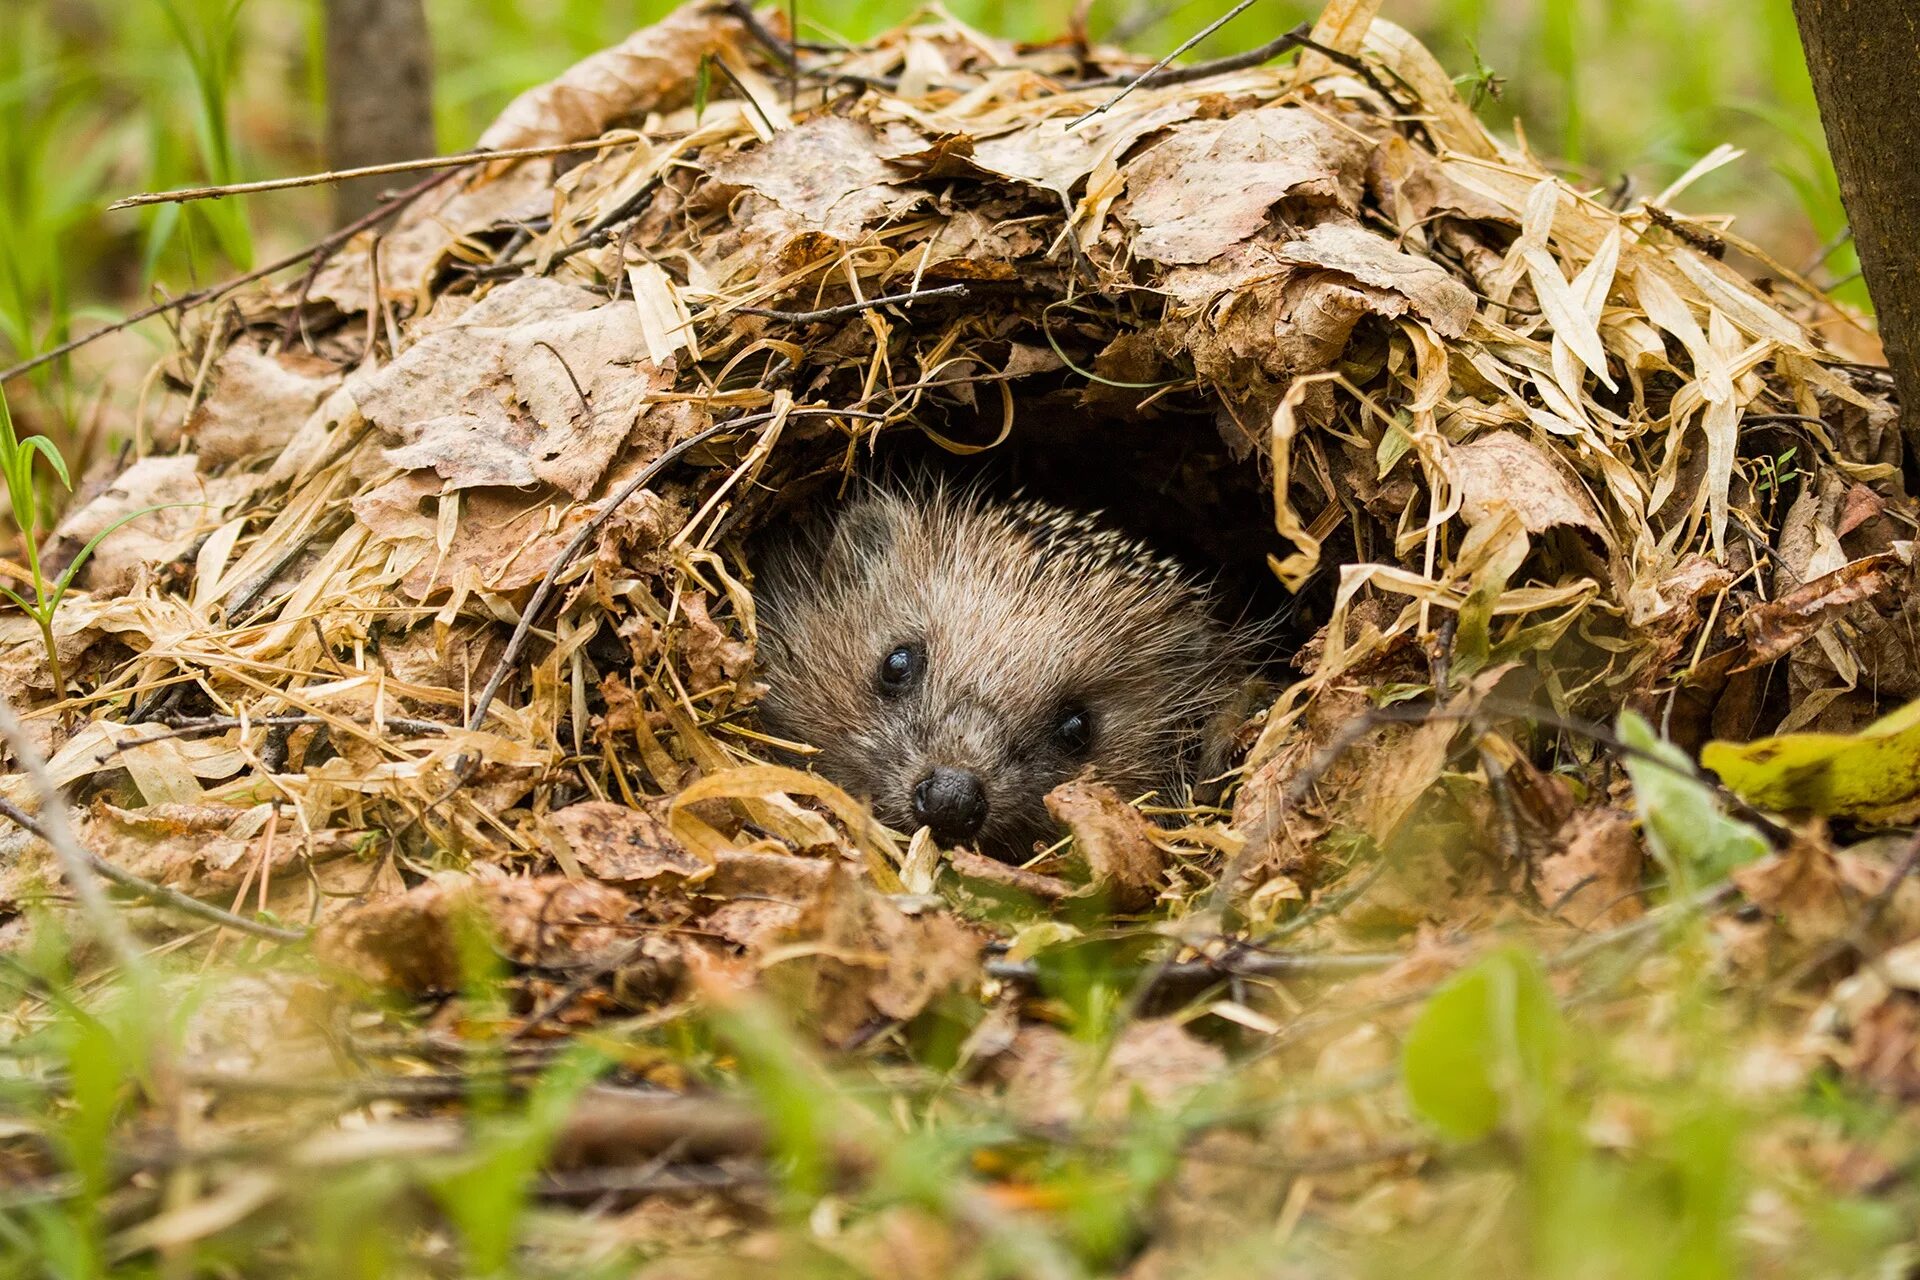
[17, 458]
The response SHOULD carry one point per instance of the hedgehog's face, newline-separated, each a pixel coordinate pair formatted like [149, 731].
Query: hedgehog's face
[951, 672]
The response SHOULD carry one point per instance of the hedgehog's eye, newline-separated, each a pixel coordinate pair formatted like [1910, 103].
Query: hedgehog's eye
[899, 669]
[1073, 732]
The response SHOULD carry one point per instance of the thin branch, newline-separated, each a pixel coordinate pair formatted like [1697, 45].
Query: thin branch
[185, 194]
[854, 308]
[212, 293]
[1267, 52]
[1186, 972]
[1181, 48]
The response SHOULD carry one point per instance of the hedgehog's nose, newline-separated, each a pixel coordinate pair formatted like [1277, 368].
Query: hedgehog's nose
[952, 802]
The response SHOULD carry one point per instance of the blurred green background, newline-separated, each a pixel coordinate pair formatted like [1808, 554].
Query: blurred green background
[102, 98]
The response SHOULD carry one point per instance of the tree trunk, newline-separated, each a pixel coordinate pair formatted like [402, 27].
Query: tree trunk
[1865, 59]
[379, 93]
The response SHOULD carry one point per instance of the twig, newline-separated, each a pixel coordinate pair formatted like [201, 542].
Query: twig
[1707, 242]
[201, 726]
[186, 194]
[648, 1180]
[1294, 39]
[212, 293]
[1239, 966]
[746, 94]
[854, 308]
[158, 895]
[1183, 46]
[783, 52]
[602, 230]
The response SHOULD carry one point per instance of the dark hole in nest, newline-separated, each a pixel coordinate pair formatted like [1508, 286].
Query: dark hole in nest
[1168, 478]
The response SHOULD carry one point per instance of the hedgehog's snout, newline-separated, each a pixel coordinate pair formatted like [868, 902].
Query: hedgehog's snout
[953, 802]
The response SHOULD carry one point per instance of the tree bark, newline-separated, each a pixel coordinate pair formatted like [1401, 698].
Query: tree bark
[379, 92]
[1865, 60]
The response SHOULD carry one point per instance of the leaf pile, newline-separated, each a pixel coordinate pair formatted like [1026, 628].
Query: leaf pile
[441, 653]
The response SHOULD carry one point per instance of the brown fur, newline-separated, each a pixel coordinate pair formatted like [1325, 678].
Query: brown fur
[1022, 610]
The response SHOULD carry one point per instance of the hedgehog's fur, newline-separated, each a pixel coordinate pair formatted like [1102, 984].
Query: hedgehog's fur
[1021, 612]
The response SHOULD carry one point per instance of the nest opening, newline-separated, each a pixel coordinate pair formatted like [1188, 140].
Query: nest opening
[1176, 485]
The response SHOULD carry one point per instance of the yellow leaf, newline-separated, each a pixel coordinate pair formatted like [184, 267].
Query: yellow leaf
[1871, 774]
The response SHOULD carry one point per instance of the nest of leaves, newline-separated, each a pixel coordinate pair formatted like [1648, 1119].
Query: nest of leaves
[445, 610]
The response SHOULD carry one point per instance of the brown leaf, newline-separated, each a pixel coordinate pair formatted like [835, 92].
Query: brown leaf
[538, 382]
[1116, 840]
[1057, 153]
[1212, 183]
[1506, 469]
[493, 549]
[829, 172]
[989, 871]
[256, 402]
[651, 70]
[1801, 886]
[190, 503]
[1777, 627]
[854, 958]
[1592, 880]
[626, 846]
[410, 941]
[1155, 1058]
[1371, 259]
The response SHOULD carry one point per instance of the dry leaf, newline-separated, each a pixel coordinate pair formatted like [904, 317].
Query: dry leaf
[651, 70]
[1155, 1059]
[410, 941]
[1370, 258]
[1592, 879]
[1505, 469]
[626, 846]
[1116, 840]
[1211, 184]
[828, 172]
[854, 960]
[256, 401]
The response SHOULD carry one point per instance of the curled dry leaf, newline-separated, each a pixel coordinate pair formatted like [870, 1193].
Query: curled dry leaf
[1210, 184]
[1777, 627]
[1592, 879]
[410, 941]
[1370, 258]
[1154, 1059]
[650, 70]
[624, 846]
[994, 874]
[1116, 840]
[854, 960]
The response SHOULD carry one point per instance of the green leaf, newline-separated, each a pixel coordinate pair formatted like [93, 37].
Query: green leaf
[66, 579]
[1873, 774]
[48, 450]
[1687, 828]
[702, 87]
[1485, 1051]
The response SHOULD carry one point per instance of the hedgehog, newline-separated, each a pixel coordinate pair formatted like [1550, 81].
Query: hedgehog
[951, 658]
